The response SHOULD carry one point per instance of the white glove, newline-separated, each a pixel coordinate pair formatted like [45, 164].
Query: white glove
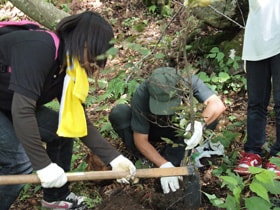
[196, 137]
[121, 163]
[169, 182]
[52, 176]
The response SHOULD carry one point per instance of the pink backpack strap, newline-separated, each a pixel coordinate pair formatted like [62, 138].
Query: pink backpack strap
[56, 42]
[17, 23]
[26, 22]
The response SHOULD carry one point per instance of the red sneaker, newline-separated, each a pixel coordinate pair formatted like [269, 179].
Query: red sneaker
[272, 167]
[247, 160]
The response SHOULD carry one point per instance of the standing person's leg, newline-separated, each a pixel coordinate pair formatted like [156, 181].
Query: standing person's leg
[13, 160]
[60, 152]
[120, 118]
[275, 66]
[259, 88]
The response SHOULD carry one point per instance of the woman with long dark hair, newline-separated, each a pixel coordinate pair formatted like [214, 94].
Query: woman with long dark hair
[36, 68]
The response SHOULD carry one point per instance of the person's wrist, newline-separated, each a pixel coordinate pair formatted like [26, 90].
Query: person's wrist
[52, 176]
[116, 160]
[46, 169]
[203, 123]
[167, 165]
[212, 125]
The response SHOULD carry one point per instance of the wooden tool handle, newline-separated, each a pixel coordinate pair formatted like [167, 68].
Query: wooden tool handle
[100, 175]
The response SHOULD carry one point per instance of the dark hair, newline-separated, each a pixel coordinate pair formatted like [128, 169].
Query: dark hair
[87, 29]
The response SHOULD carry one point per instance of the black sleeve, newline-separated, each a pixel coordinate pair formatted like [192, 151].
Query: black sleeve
[26, 128]
[98, 145]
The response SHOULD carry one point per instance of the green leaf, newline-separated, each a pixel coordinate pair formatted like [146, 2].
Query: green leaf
[237, 194]
[265, 176]
[223, 77]
[229, 180]
[102, 83]
[255, 170]
[204, 77]
[259, 189]
[54, 104]
[188, 47]
[254, 203]
[214, 200]
[134, 46]
[144, 51]
[152, 8]
[106, 127]
[112, 51]
[215, 79]
[220, 56]
[131, 86]
[215, 50]
[159, 55]
[233, 183]
[231, 203]
[275, 160]
[167, 140]
[213, 55]
[274, 187]
[139, 27]
[235, 65]
[121, 101]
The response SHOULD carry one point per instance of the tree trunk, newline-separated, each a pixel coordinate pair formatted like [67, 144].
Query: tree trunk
[41, 11]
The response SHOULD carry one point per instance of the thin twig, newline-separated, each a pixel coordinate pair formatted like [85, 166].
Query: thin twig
[140, 62]
[220, 13]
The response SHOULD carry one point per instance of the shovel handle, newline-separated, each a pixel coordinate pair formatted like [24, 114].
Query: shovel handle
[101, 175]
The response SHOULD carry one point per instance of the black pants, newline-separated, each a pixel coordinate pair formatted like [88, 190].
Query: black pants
[120, 118]
[262, 77]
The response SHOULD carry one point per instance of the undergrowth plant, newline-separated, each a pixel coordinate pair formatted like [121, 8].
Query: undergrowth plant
[224, 79]
[259, 191]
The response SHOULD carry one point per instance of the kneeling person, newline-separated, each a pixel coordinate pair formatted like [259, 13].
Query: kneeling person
[149, 118]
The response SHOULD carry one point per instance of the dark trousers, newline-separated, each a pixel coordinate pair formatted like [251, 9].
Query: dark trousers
[13, 159]
[262, 77]
[120, 118]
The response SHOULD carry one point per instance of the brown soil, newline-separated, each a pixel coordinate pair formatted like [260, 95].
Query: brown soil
[146, 194]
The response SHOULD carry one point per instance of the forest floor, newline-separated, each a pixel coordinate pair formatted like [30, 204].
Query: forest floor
[147, 194]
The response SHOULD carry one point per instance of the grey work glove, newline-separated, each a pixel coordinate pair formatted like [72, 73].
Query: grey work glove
[169, 182]
[52, 176]
[121, 163]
